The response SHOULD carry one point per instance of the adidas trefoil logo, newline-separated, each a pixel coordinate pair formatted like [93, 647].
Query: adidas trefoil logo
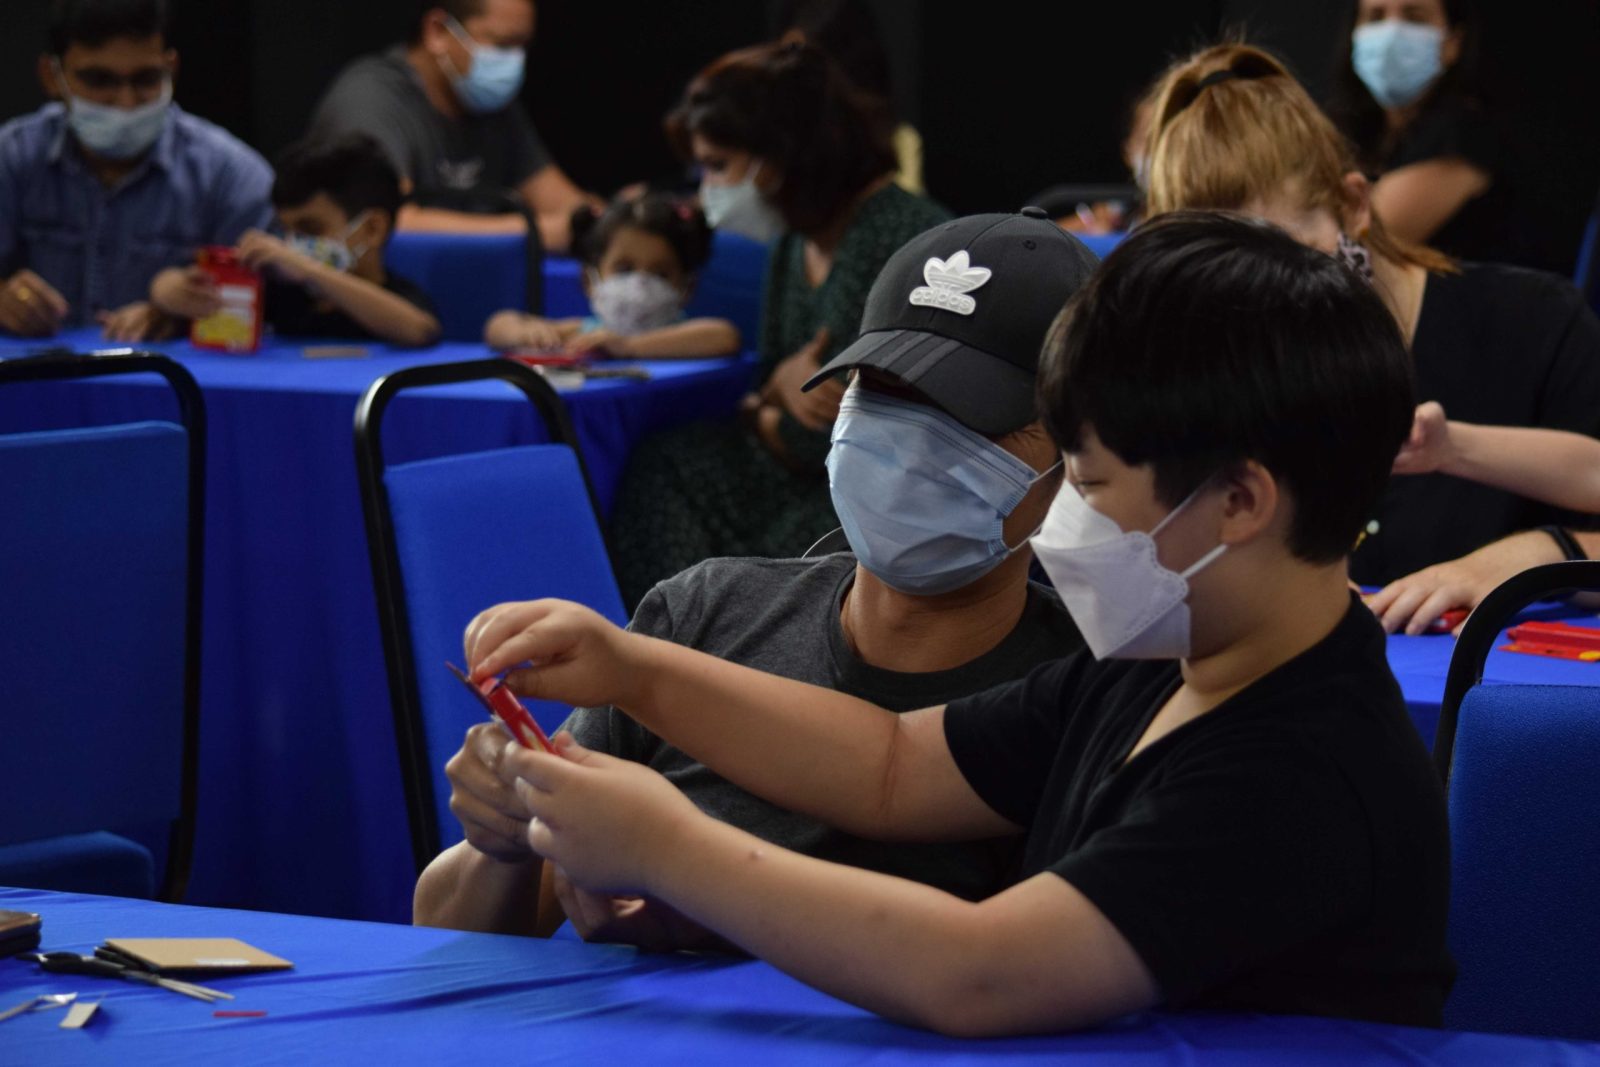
[949, 282]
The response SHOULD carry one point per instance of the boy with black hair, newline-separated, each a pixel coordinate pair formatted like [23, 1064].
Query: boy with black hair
[111, 182]
[1225, 805]
[336, 203]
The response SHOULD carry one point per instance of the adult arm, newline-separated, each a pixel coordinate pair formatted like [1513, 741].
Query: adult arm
[845, 761]
[552, 197]
[1556, 467]
[1416, 200]
[695, 338]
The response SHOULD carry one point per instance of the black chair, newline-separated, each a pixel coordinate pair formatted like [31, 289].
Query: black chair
[453, 535]
[1520, 770]
[101, 562]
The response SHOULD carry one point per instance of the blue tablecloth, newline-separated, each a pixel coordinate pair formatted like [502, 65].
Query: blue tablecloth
[1422, 663]
[301, 807]
[368, 992]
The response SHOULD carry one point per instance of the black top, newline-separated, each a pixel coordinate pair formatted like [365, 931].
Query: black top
[782, 616]
[1285, 852]
[292, 312]
[1497, 345]
[1451, 128]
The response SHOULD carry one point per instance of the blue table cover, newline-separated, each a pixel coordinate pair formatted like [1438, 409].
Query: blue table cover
[301, 807]
[377, 993]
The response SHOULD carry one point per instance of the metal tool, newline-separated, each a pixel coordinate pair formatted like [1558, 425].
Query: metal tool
[43, 1002]
[72, 963]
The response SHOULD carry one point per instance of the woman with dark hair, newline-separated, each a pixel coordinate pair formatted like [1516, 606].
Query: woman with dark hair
[787, 146]
[1406, 94]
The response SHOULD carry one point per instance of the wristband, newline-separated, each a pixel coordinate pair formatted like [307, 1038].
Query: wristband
[1565, 542]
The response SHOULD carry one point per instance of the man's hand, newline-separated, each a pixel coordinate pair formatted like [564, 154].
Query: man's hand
[648, 924]
[30, 306]
[576, 655]
[139, 321]
[491, 813]
[611, 824]
[1429, 447]
[817, 409]
[188, 293]
[262, 251]
[1412, 603]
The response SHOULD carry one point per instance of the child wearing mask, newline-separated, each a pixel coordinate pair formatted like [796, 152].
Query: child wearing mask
[336, 204]
[639, 260]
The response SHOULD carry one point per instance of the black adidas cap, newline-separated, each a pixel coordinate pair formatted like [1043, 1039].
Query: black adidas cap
[960, 314]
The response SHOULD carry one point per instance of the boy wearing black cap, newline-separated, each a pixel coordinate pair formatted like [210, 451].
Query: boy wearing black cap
[932, 603]
[1224, 805]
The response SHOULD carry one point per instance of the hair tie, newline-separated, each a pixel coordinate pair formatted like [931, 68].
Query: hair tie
[1214, 77]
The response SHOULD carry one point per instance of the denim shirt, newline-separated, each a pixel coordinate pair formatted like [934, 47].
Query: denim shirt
[100, 247]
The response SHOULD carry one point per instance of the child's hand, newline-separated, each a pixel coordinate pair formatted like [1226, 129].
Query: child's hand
[540, 334]
[598, 342]
[1429, 447]
[259, 251]
[188, 293]
[611, 824]
[577, 656]
[139, 321]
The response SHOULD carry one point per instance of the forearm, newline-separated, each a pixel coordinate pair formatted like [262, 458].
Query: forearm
[438, 220]
[803, 747]
[463, 889]
[381, 313]
[1552, 466]
[686, 340]
[162, 289]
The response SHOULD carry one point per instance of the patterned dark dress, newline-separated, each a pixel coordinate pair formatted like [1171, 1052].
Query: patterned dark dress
[711, 489]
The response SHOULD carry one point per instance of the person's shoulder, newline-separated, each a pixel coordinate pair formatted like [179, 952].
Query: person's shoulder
[894, 209]
[385, 71]
[30, 137]
[744, 581]
[203, 139]
[1504, 290]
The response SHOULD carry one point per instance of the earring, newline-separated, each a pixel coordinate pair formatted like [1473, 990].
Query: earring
[1354, 255]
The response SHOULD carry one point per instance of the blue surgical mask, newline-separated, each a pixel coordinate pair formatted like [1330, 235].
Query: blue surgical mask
[741, 208]
[494, 77]
[117, 132]
[1397, 60]
[922, 499]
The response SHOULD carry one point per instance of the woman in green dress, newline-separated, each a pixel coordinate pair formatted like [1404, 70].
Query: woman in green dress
[788, 150]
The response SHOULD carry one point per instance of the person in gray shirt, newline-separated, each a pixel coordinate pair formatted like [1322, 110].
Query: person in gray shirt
[445, 109]
[940, 470]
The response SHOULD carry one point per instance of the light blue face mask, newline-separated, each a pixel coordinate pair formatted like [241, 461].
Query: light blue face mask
[922, 499]
[1397, 60]
[494, 77]
[116, 132]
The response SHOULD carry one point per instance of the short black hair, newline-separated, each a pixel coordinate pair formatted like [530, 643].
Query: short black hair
[791, 105]
[1207, 339]
[673, 219]
[353, 171]
[94, 22]
[460, 10]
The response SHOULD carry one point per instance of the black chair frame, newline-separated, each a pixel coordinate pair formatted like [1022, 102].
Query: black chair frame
[393, 615]
[1483, 628]
[496, 202]
[65, 365]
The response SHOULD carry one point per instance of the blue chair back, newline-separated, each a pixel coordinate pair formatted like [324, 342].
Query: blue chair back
[453, 535]
[1587, 274]
[1520, 764]
[731, 285]
[99, 639]
[469, 276]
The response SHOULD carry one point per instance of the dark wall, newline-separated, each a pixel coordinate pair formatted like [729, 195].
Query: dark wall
[1009, 97]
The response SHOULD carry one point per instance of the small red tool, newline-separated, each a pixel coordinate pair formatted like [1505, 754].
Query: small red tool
[502, 704]
[1559, 640]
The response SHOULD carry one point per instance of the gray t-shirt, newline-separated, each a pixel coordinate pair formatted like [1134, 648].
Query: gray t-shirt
[782, 616]
[382, 96]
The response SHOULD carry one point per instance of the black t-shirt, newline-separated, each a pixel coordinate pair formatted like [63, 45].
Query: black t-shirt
[1497, 345]
[1285, 852]
[293, 312]
[382, 97]
[782, 616]
[1451, 128]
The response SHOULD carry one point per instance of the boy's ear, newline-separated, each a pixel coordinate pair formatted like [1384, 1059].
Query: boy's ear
[49, 80]
[1253, 504]
[379, 225]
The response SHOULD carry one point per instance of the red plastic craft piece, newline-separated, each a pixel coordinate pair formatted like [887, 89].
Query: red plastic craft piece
[1559, 640]
[502, 704]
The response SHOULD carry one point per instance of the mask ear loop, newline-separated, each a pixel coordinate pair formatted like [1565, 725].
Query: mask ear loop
[1041, 476]
[1204, 561]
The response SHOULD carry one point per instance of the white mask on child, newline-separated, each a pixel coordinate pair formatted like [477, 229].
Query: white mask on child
[635, 301]
[1126, 603]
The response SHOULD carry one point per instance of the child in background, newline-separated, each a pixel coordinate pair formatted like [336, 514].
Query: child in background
[1554, 467]
[336, 203]
[639, 261]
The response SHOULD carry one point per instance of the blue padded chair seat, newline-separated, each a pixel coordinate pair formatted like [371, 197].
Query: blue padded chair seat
[96, 862]
[1525, 841]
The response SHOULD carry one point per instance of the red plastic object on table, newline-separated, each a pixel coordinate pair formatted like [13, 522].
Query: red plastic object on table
[1559, 640]
[502, 705]
[558, 360]
[236, 325]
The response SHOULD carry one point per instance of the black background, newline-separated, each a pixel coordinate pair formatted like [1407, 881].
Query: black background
[1009, 97]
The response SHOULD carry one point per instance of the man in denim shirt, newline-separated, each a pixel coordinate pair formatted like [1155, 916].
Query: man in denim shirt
[113, 182]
